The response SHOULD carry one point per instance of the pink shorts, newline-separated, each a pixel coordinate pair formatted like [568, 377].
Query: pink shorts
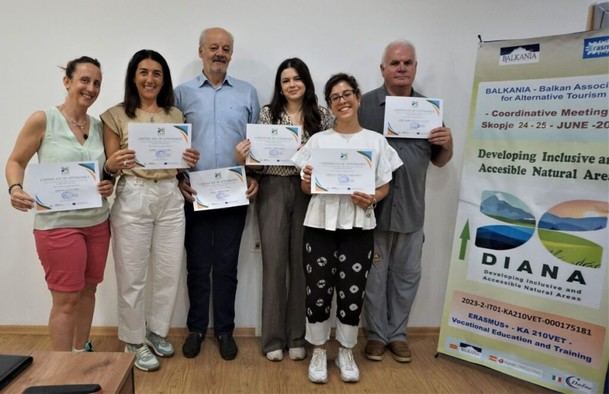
[73, 257]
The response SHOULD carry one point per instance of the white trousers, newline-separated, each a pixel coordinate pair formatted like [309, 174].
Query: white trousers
[148, 226]
[319, 333]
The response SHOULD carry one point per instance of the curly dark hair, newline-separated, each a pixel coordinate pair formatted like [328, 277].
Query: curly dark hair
[338, 78]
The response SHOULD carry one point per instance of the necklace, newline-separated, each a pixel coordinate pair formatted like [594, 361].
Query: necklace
[295, 117]
[295, 113]
[150, 111]
[80, 125]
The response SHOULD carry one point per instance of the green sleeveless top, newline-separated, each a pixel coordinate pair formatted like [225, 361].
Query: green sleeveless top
[58, 145]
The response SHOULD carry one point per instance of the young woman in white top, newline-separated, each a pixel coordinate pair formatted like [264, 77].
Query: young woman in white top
[338, 238]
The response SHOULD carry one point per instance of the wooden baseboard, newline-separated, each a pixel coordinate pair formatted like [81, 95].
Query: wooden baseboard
[182, 331]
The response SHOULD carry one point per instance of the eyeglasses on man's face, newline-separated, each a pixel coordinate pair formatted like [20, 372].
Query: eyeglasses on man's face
[346, 95]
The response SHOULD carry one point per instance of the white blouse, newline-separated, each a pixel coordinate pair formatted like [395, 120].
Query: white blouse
[337, 211]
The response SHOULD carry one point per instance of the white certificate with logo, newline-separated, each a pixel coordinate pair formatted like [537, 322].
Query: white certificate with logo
[272, 145]
[219, 188]
[64, 186]
[411, 117]
[342, 171]
[159, 145]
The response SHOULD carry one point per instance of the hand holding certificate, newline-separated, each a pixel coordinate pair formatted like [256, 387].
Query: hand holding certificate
[411, 117]
[272, 145]
[342, 171]
[159, 145]
[64, 186]
[219, 188]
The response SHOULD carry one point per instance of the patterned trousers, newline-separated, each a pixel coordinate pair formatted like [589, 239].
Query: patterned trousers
[336, 260]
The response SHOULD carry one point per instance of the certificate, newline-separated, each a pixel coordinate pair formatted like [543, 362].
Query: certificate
[272, 145]
[159, 145]
[342, 171]
[411, 117]
[219, 188]
[64, 186]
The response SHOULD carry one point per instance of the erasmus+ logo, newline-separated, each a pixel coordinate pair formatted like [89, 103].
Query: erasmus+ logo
[555, 228]
[521, 54]
[596, 47]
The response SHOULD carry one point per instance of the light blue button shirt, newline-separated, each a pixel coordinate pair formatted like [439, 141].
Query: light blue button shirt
[219, 117]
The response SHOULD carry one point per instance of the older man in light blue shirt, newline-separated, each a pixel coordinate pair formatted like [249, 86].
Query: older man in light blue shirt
[219, 108]
[219, 116]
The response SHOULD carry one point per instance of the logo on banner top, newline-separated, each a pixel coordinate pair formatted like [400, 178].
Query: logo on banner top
[520, 54]
[596, 47]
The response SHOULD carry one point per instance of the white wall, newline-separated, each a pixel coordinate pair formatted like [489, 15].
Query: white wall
[331, 36]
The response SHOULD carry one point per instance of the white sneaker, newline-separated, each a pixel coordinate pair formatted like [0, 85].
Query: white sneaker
[159, 345]
[275, 355]
[318, 367]
[297, 353]
[346, 363]
[144, 359]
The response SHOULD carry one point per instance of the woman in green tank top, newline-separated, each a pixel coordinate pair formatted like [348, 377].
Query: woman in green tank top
[73, 244]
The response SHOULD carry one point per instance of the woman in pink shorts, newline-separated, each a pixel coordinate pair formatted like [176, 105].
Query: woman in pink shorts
[73, 244]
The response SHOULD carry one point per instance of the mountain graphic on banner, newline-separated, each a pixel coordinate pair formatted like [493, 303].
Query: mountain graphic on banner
[553, 229]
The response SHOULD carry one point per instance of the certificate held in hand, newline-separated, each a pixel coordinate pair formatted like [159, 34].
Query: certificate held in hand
[159, 145]
[64, 186]
[272, 145]
[219, 188]
[342, 171]
[411, 117]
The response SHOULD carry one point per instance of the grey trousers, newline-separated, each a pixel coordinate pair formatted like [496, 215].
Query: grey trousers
[281, 210]
[392, 285]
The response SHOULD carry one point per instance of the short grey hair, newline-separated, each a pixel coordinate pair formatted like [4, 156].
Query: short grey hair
[395, 43]
[204, 33]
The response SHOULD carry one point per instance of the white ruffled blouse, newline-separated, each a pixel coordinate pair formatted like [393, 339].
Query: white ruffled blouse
[337, 211]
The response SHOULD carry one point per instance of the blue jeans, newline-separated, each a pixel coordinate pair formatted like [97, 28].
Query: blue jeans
[212, 246]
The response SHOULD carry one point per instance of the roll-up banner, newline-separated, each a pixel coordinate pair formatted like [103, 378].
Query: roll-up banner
[527, 289]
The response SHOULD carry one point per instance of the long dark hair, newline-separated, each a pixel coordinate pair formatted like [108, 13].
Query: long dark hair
[165, 99]
[310, 110]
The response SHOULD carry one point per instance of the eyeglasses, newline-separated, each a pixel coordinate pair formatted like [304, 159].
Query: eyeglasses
[346, 95]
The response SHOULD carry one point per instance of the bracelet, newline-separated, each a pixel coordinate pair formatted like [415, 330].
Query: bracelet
[10, 188]
[107, 171]
[373, 204]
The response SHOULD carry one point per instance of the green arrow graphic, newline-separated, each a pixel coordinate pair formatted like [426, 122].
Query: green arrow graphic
[464, 237]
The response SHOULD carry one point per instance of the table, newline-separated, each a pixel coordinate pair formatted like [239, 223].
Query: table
[112, 371]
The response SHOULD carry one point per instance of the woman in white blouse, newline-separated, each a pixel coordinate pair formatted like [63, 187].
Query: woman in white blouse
[338, 234]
